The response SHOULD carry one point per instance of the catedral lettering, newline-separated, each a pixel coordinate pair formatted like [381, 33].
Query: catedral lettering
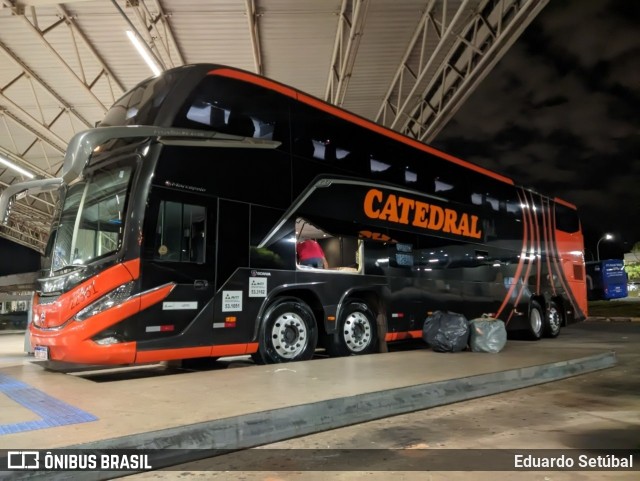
[151, 260]
[403, 210]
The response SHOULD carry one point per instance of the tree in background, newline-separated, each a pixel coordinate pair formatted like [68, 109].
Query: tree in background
[632, 267]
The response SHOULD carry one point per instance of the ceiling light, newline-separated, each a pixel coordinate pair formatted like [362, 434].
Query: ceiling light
[144, 53]
[18, 169]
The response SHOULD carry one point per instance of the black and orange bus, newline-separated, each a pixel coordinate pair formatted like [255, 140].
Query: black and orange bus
[179, 216]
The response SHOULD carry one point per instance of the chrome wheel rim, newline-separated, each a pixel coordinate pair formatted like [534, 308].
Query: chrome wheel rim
[535, 320]
[289, 335]
[357, 331]
[554, 320]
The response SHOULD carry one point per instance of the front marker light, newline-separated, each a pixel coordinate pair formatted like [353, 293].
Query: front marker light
[107, 341]
[115, 297]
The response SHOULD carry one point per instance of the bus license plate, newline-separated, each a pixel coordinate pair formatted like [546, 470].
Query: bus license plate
[41, 353]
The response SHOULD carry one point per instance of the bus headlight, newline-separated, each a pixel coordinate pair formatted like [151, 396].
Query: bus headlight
[115, 297]
[53, 285]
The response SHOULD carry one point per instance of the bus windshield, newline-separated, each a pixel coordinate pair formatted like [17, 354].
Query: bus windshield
[91, 221]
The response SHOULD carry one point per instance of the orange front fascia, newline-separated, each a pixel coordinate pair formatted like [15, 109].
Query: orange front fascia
[72, 302]
[194, 352]
[73, 343]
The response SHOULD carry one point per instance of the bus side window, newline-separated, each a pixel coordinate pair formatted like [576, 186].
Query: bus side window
[180, 233]
[240, 124]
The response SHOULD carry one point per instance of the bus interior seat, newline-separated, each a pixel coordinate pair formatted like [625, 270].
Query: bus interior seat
[304, 147]
[240, 124]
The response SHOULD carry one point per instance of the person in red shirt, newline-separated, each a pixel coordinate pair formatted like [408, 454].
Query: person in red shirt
[311, 254]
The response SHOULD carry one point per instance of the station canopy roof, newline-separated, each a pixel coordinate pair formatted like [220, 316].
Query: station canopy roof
[406, 64]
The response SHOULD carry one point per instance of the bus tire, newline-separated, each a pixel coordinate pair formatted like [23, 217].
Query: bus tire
[552, 320]
[356, 331]
[536, 321]
[288, 333]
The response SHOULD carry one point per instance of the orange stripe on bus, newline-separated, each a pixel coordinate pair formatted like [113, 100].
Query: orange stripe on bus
[401, 336]
[516, 276]
[231, 350]
[193, 352]
[247, 77]
[169, 354]
[532, 239]
[150, 298]
[565, 203]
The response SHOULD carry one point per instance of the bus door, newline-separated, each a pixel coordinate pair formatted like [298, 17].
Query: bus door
[179, 248]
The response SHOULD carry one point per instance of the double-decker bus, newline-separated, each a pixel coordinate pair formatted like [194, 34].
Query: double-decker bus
[180, 212]
[606, 280]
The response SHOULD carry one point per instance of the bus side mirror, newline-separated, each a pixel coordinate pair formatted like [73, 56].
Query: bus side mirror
[16, 191]
[6, 203]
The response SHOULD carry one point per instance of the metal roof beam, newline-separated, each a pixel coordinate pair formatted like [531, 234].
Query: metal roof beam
[146, 39]
[73, 26]
[29, 73]
[254, 34]
[495, 33]
[32, 124]
[35, 29]
[20, 161]
[455, 45]
[353, 14]
[437, 25]
[156, 32]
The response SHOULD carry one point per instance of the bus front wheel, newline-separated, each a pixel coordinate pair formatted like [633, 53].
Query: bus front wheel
[535, 321]
[288, 333]
[355, 333]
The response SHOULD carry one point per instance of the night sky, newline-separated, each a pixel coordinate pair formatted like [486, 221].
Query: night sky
[560, 113]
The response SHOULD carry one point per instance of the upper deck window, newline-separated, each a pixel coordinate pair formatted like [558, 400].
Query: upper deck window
[140, 105]
[234, 107]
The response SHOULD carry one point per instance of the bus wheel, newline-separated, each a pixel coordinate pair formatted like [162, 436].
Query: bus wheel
[535, 321]
[552, 321]
[288, 333]
[356, 331]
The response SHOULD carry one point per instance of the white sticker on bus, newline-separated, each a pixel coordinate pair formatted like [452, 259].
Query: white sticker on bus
[231, 301]
[257, 287]
[176, 306]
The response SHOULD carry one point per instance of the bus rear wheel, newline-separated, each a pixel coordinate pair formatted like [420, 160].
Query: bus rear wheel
[288, 333]
[356, 331]
[536, 322]
[552, 321]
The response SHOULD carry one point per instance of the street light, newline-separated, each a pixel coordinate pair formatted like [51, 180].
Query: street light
[604, 237]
